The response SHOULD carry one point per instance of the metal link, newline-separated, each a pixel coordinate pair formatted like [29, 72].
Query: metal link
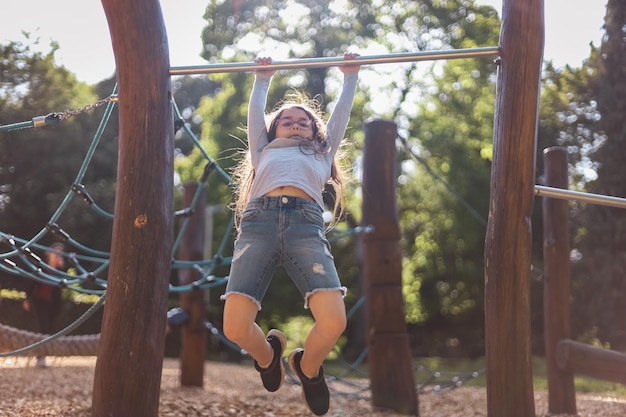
[39, 121]
[89, 107]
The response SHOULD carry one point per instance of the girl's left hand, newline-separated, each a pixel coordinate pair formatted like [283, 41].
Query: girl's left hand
[350, 67]
[263, 63]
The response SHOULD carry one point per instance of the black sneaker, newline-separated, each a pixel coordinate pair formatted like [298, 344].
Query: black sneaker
[314, 390]
[274, 375]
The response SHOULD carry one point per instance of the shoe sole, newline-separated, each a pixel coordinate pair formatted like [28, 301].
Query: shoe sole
[283, 344]
[292, 366]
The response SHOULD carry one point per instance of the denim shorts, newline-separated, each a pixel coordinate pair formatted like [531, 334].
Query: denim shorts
[282, 231]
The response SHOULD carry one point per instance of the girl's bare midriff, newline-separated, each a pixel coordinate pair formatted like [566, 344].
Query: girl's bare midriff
[288, 191]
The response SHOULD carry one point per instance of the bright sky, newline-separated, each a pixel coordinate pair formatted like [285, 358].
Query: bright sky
[80, 28]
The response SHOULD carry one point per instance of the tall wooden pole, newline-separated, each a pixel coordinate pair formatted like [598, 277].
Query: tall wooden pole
[508, 239]
[127, 378]
[389, 359]
[556, 282]
[193, 333]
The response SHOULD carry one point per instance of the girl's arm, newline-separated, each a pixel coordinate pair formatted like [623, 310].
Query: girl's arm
[257, 131]
[338, 121]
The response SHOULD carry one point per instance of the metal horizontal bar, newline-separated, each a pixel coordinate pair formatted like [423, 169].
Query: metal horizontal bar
[336, 61]
[562, 194]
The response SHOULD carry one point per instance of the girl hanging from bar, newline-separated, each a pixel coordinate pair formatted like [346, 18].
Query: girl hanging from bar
[292, 154]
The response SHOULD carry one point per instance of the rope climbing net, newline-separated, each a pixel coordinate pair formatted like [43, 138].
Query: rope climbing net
[22, 260]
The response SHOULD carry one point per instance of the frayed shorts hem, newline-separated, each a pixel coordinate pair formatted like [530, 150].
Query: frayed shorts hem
[308, 295]
[257, 302]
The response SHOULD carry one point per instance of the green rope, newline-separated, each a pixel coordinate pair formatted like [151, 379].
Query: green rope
[39, 121]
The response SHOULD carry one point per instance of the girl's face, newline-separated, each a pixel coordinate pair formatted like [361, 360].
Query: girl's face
[294, 123]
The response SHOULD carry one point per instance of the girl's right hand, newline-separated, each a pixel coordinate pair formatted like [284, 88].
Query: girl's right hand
[264, 61]
[350, 67]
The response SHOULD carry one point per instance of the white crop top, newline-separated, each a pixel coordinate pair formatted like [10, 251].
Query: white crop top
[285, 161]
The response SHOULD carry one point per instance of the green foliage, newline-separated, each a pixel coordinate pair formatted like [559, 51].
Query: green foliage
[296, 329]
[295, 29]
[450, 368]
[444, 185]
[76, 298]
[12, 294]
[599, 283]
[569, 117]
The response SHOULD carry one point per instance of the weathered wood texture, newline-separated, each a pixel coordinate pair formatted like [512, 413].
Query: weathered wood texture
[508, 238]
[130, 355]
[584, 359]
[389, 360]
[193, 333]
[556, 282]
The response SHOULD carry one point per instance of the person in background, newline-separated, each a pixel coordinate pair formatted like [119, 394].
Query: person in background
[45, 300]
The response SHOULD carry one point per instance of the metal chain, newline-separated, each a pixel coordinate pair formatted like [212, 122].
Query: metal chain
[89, 107]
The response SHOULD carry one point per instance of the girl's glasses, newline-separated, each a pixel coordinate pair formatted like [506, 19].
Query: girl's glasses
[287, 123]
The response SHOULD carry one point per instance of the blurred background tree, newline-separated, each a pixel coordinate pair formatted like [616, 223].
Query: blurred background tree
[601, 236]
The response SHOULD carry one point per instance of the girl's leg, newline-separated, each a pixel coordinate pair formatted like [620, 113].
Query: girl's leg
[240, 327]
[329, 312]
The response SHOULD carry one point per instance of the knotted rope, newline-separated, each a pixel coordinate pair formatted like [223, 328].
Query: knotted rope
[12, 339]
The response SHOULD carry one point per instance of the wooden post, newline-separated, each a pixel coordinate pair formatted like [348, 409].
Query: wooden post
[556, 282]
[193, 333]
[127, 378]
[389, 360]
[508, 239]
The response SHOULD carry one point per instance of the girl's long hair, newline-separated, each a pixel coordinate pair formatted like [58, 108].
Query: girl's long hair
[243, 174]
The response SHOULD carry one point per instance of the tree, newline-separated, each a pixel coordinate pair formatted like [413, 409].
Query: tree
[569, 117]
[444, 184]
[296, 29]
[600, 284]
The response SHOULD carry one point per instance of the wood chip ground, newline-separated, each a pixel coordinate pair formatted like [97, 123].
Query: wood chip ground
[64, 388]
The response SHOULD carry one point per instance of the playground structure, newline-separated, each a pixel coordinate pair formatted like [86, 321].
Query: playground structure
[141, 218]
[565, 357]
[382, 255]
[129, 361]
